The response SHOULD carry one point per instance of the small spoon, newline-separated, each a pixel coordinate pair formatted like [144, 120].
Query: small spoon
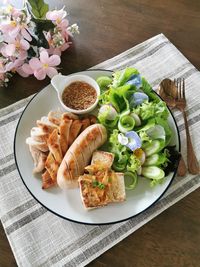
[168, 92]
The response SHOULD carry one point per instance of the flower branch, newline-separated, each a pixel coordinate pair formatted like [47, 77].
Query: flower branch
[32, 40]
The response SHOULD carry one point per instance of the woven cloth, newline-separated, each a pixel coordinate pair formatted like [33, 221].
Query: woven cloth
[40, 238]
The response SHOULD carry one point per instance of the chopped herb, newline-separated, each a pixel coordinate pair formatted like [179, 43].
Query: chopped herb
[98, 184]
[101, 186]
[95, 183]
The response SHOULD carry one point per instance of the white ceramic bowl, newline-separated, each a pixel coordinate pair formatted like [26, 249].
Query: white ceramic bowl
[60, 82]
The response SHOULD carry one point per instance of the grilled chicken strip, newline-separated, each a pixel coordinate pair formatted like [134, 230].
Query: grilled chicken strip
[39, 159]
[42, 146]
[74, 130]
[65, 126]
[54, 146]
[46, 125]
[38, 135]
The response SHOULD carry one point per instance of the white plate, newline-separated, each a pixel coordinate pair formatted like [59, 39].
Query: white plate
[67, 204]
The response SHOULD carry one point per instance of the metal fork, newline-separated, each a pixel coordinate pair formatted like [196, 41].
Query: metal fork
[193, 165]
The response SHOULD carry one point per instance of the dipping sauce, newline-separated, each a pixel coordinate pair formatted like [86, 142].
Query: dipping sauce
[79, 95]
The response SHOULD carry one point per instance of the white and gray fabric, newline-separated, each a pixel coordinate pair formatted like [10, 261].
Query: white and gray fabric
[40, 238]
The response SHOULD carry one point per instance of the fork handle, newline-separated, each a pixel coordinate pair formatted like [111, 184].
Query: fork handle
[193, 165]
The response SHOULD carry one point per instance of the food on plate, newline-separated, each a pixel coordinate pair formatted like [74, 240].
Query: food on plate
[102, 157]
[138, 130]
[47, 180]
[40, 145]
[46, 125]
[51, 165]
[50, 140]
[131, 128]
[74, 130]
[79, 95]
[53, 143]
[100, 185]
[39, 135]
[79, 154]
[39, 159]
[55, 116]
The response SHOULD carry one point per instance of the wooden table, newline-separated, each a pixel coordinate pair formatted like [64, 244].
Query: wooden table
[108, 28]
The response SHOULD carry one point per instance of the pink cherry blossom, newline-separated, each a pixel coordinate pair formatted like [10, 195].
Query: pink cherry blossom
[16, 66]
[62, 28]
[56, 15]
[27, 69]
[15, 35]
[58, 50]
[2, 66]
[44, 66]
[15, 47]
[57, 43]
[2, 78]
[14, 12]
[18, 24]
[58, 18]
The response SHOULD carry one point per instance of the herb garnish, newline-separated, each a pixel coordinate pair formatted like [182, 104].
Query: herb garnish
[98, 184]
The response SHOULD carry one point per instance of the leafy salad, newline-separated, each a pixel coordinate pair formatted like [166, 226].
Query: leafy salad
[139, 133]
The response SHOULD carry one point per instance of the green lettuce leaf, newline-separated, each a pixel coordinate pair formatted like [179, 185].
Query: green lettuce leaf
[148, 110]
[119, 97]
[133, 163]
[147, 89]
[121, 77]
[104, 82]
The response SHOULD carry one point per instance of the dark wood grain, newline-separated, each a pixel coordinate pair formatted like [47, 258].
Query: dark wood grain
[108, 28]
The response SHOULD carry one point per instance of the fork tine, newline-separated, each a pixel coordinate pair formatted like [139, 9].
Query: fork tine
[175, 81]
[183, 88]
[179, 88]
[176, 84]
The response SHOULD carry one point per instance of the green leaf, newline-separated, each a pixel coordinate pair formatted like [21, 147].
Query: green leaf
[31, 53]
[146, 88]
[42, 25]
[121, 77]
[38, 8]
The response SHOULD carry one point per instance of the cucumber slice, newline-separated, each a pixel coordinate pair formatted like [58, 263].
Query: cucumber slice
[136, 118]
[153, 147]
[153, 172]
[130, 180]
[151, 160]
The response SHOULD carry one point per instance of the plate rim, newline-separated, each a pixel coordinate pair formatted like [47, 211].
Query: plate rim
[81, 222]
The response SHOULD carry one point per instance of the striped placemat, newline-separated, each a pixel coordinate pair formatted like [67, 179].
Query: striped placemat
[38, 237]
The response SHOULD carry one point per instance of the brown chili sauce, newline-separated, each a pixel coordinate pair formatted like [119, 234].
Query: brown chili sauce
[79, 95]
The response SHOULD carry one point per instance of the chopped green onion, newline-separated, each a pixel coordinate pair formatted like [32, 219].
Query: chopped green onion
[98, 184]
[136, 118]
[119, 167]
[126, 123]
